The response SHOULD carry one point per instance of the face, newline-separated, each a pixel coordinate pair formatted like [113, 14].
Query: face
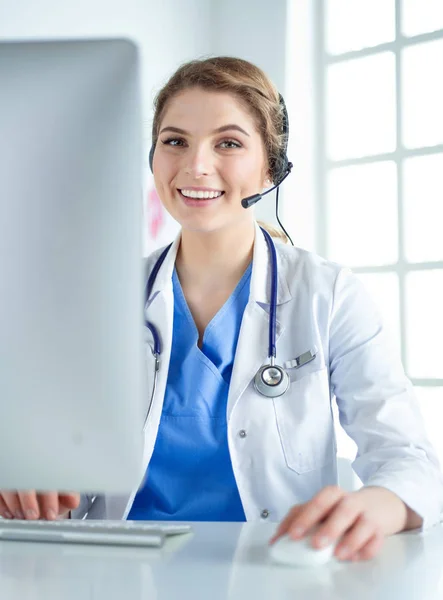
[209, 155]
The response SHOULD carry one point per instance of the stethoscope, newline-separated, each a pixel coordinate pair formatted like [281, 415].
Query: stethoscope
[271, 380]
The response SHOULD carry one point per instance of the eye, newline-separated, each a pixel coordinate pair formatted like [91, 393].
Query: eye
[230, 144]
[174, 142]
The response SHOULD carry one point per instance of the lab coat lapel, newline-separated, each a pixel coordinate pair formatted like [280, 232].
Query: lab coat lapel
[252, 351]
[253, 342]
[160, 312]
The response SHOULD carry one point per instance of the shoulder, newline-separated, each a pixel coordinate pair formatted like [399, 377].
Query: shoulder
[150, 260]
[308, 269]
[327, 286]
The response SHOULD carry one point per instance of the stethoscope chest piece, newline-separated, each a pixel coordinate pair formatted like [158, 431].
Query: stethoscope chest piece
[271, 381]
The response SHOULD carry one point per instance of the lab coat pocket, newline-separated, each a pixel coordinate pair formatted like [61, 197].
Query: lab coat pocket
[304, 419]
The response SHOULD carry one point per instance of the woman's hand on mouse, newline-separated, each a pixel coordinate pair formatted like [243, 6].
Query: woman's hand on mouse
[356, 521]
[33, 505]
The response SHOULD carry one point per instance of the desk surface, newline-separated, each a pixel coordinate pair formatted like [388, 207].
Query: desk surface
[218, 561]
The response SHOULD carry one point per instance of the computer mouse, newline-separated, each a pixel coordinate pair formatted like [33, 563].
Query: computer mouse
[300, 553]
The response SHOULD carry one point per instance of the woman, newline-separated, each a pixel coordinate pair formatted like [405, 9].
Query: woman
[217, 448]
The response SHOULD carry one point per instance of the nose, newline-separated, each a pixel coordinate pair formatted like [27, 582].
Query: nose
[199, 161]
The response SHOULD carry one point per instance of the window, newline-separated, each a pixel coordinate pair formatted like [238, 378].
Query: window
[380, 188]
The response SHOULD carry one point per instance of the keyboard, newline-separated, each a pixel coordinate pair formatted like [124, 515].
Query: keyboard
[114, 533]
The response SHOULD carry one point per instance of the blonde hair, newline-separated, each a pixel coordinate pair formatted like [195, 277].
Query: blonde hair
[274, 232]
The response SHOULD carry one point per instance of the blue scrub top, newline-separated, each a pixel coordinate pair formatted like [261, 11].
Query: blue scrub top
[190, 474]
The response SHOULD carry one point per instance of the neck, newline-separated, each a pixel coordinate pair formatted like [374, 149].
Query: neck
[208, 259]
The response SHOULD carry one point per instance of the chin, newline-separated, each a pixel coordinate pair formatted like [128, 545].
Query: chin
[201, 226]
[213, 225]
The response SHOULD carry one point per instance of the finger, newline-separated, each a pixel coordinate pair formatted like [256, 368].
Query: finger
[13, 503]
[4, 510]
[341, 518]
[315, 511]
[68, 502]
[48, 505]
[29, 504]
[285, 524]
[371, 548]
[356, 538]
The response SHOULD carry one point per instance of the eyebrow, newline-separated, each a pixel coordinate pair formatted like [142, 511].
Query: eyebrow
[229, 127]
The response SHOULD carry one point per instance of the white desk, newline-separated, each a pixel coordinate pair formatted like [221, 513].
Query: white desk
[218, 561]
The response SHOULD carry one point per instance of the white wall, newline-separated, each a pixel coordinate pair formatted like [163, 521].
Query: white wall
[300, 201]
[168, 31]
[274, 34]
[256, 31]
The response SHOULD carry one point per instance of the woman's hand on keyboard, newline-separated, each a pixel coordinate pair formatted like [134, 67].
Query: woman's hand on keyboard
[35, 505]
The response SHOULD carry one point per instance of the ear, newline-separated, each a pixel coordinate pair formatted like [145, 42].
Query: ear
[267, 183]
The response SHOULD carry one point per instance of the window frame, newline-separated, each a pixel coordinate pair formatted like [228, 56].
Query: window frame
[322, 61]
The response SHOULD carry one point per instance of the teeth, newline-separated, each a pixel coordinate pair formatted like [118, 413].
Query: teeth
[200, 194]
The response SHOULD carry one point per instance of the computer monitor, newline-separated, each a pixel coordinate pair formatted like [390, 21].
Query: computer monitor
[72, 372]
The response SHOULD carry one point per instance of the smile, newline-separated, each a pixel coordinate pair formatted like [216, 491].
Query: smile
[201, 194]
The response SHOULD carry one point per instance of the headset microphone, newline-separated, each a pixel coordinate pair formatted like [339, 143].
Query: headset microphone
[251, 200]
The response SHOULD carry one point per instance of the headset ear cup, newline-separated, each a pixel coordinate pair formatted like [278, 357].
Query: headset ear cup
[151, 157]
[280, 168]
[276, 171]
[281, 165]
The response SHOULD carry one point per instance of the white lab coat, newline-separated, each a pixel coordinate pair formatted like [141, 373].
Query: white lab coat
[286, 451]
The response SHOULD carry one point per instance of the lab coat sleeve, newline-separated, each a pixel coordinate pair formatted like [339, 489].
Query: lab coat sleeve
[377, 405]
